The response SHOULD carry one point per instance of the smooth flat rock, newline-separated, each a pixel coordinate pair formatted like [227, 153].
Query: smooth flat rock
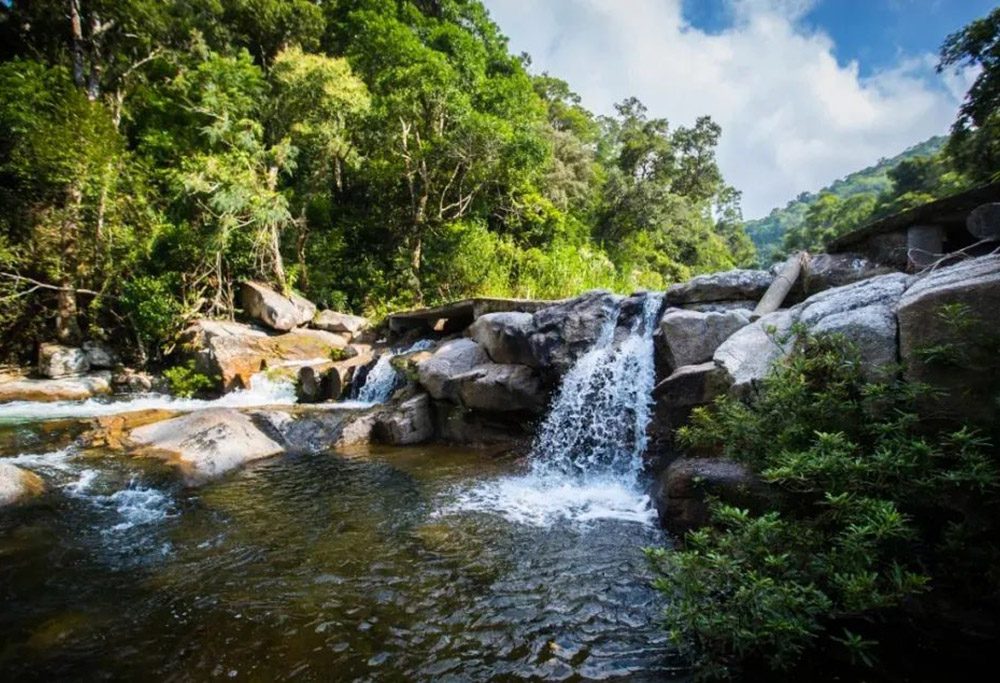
[342, 323]
[206, 444]
[66, 389]
[731, 285]
[966, 366]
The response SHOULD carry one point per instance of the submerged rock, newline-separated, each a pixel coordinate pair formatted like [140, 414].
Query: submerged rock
[207, 443]
[17, 485]
[274, 310]
[691, 337]
[66, 389]
[56, 361]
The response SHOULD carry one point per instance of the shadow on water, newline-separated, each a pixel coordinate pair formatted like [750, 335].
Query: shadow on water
[317, 567]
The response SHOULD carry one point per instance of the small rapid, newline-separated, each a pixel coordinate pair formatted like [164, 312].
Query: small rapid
[383, 379]
[263, 391]
[586, 461]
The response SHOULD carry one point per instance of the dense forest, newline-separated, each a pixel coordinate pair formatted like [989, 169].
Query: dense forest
[370, 154]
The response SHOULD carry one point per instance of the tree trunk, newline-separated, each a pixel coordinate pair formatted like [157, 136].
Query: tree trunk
[275, 239]
[67, 325]
[94, 81]
[300, 249]
[77, 45]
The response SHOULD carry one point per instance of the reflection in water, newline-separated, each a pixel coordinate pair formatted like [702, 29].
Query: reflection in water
[317, 567]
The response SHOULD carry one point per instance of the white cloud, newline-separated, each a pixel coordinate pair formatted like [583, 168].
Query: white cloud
[793, 118]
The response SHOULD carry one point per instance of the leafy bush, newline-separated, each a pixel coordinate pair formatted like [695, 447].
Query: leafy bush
[881, 505]
[186, 381]
[152, 306]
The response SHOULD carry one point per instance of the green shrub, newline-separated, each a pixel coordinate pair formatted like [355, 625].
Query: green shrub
[869, 485]
[186, 381]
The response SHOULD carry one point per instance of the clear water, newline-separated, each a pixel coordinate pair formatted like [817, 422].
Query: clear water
[393, 564]
[321, 567]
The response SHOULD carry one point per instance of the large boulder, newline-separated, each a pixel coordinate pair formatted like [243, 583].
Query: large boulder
[341, 323]
[100, 356]
[505, 337]
[234, 352]
[953, 312]
[328, 381]
[501, 388]
[681, 493]
[564, 332]
[17, 485]
[278, 312]
[691, 337]
[691, 385]
[207, 443]
[452, 359]
[66, 389]
[56, 360]
[410, 422]
[748, 355]
[731, 285]
[863, 312]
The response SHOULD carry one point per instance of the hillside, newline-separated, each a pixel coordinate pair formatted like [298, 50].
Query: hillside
[768, 232]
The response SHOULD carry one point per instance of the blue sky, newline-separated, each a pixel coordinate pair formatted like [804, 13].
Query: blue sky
[806, 91]
[874, 32]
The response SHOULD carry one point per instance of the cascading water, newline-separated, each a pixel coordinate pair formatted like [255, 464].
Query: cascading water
[383, 378]
[586, 461]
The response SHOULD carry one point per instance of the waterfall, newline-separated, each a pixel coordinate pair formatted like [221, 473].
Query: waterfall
[382, 379]
[597, 423]
[586, 460]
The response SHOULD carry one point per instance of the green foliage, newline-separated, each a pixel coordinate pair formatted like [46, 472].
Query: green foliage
[374, 154]
[975, 138]
[866, 482]
[186, 381]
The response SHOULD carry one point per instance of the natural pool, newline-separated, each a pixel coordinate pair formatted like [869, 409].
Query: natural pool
[317, 567]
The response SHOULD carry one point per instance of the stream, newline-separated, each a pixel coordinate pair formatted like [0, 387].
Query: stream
[418, 563]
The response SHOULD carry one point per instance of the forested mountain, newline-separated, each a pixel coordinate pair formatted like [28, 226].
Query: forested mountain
[769, 233]
[371, 154]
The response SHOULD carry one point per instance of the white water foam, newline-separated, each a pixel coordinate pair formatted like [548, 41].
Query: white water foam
[587, 458]
[263, 391]
[382, 378]
[136, 506]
